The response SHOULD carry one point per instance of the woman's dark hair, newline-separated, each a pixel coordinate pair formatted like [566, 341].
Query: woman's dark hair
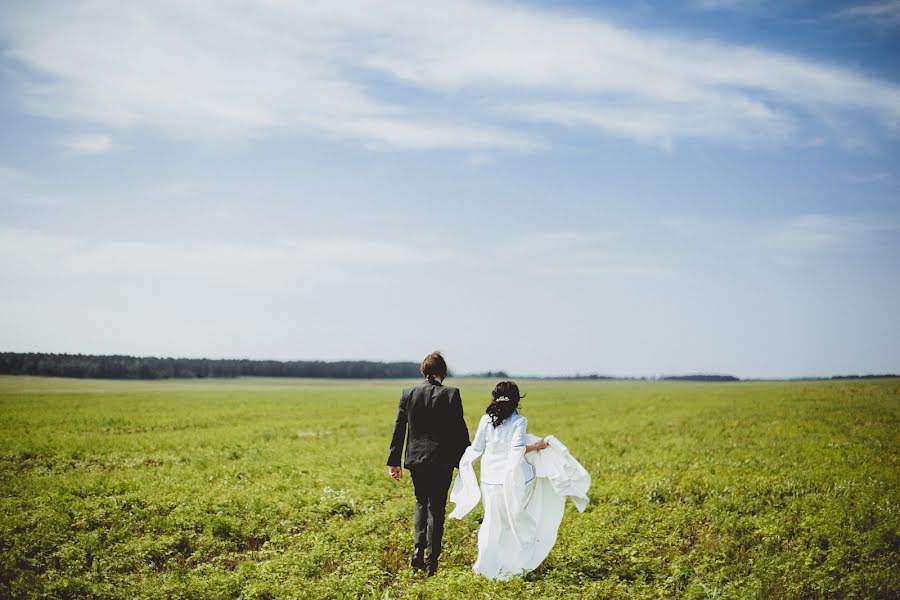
[499, 410]
[434, 367]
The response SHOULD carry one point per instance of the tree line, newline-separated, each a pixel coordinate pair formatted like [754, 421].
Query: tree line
[150, 367]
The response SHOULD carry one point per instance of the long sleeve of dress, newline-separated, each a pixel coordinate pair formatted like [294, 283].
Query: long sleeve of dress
[518, 436]
[465, 492]
[480, 440]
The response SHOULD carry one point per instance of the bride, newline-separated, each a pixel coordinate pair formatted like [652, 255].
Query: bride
[524, 483]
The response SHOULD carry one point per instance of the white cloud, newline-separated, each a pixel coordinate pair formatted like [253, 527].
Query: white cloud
[802, 237]
[717, 4]
[37, 256]
[580, 254]
[198, 70]
[619, 301]
[13, 176]
[728, 5]
[479, 159]
[385, 73]
[687, 245]
[395, 133]
[742, 122]
[24, 198]
[182, 190]
[880, 14]
[530, 245]
[642, 85]
[882, 177]
[89, 144]
[681, 245]
[23, 188]
[313, 298]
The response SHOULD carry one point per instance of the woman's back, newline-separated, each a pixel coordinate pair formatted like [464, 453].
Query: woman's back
[497, 443]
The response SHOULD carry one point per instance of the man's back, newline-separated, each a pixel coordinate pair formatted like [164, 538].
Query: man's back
[433, 416]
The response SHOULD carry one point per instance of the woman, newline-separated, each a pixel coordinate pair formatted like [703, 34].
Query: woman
[524, 483]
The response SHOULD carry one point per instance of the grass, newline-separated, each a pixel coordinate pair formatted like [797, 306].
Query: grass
[273, 488]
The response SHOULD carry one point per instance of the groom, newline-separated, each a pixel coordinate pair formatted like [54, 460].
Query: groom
[438, 436]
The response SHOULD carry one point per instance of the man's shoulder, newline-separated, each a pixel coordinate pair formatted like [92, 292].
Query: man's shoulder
[425, 385]
[415, 390]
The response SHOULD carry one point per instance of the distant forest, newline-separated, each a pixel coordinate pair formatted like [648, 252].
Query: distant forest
[699, 377]
[89, 366]
[134, 367]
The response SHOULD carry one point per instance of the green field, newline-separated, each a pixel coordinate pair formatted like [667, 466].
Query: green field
[273, 488]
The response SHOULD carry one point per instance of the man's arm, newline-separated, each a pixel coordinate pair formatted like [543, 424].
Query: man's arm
[399, 436]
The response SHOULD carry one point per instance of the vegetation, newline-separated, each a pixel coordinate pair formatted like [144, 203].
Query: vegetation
[276, 488]
[150, 367]
[701, 378]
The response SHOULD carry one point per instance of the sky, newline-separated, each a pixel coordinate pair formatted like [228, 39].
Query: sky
[545, 188]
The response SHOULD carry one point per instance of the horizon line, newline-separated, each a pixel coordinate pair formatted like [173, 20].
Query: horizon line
[722, 377]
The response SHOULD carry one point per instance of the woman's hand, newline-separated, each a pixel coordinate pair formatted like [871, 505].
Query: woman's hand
[396, 473]
[538, 445]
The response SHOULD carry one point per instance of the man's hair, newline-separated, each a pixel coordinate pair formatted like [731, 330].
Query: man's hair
[434, 366]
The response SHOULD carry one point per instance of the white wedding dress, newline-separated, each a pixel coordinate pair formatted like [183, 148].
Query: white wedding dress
[523, 494]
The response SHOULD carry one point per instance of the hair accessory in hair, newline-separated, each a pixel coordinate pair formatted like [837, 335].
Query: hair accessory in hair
[502, 399]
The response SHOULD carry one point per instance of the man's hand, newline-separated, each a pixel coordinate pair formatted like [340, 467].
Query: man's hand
[396, 473]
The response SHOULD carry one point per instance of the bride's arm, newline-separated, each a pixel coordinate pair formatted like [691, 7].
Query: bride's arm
[519, 437]
[480, 439]
[538, 445]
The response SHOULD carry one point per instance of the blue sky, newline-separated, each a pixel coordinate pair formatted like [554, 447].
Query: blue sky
[542, 187]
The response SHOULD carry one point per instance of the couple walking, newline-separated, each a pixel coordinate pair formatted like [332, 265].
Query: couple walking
[524, 479]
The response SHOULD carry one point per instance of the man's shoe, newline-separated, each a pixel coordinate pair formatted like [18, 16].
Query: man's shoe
[418, 560]
[431, 569]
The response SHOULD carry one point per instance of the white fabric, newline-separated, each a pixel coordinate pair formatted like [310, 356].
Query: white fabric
[521, 516]
[501, 446]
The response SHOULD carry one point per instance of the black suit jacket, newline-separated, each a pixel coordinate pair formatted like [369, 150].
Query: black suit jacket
[433, 415]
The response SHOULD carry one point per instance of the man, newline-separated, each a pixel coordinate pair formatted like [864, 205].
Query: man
[438, 436]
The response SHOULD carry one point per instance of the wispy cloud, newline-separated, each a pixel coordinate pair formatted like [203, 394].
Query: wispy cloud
[532, 245]
[318, 298]
[10, 176]
[53, 259]
[210, 71]
[579, 254]
[479, 159]
[385, 74]
[716, 5]
[881, 177]
[680, 245]
[687, 245]
[742, 122]
[396, 133]
[647, 86]
[879, 14]
[182, 190]
[21, 187]
[804, 237]
[89, 144]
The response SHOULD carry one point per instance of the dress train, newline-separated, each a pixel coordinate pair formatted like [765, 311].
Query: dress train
[521, 518]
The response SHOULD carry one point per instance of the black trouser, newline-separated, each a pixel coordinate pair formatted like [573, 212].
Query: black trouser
[431, 484]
